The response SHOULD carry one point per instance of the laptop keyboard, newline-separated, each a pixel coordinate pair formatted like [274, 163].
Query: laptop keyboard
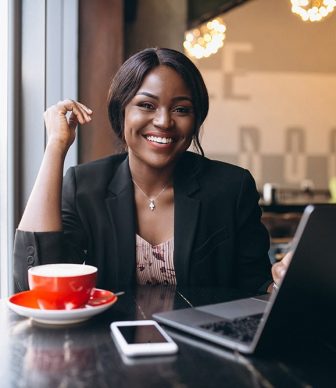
[241, 329]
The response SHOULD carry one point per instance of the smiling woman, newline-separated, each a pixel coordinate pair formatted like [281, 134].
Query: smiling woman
[127, 83]
[159, 121]
[157, 213]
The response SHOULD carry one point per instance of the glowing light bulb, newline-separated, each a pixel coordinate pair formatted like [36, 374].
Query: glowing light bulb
[206, 39]
[313, 10]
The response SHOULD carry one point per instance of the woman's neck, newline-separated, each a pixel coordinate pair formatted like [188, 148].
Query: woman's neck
[151, 180]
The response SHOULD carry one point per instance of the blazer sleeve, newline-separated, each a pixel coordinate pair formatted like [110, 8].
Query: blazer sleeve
[252, 243]
[31, 249]
[36, 248]
[75, 240]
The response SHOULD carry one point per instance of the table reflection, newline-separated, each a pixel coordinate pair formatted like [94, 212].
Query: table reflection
[84, 355]
[46, 357]
[160, 298]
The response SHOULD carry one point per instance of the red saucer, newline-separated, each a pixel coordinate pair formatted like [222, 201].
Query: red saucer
[25, 304]
[98, 297]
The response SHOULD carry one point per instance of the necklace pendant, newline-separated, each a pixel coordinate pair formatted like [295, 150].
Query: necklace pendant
[151, 204]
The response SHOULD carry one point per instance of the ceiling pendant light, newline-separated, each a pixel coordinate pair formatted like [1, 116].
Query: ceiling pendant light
[313, 10]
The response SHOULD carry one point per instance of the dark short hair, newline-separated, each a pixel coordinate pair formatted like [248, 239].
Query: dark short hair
[130, 77]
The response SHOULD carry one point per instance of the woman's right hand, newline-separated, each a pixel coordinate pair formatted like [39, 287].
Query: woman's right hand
[279, 269]
[61, 129]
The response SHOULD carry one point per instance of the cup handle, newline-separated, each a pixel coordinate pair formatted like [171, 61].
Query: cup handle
[99, 297]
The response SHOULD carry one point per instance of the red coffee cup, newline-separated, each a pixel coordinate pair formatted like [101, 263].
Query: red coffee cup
[62, 286]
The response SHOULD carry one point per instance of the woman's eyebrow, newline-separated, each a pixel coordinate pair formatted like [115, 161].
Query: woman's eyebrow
[177, 98]
[148, 95]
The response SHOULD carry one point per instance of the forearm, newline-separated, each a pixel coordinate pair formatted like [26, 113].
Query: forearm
[43, 210]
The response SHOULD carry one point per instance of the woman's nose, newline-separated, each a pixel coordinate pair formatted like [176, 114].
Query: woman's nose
[162, 119]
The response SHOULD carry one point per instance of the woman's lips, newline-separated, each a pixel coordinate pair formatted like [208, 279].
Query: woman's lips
[159, 139]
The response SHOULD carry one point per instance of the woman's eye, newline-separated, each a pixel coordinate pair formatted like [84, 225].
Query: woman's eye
[183, 109]
[146, 105]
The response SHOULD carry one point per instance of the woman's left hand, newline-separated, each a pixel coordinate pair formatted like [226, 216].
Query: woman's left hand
[279, 269]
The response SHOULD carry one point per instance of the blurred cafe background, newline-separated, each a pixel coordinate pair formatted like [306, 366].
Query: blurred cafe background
[270, 67]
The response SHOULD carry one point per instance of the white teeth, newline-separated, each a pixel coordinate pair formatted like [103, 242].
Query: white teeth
[161, 140]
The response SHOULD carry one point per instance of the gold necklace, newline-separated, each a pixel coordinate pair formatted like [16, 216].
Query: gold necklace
[151, 205]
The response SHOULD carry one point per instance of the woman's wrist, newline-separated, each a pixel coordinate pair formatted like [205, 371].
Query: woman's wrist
[57, 148]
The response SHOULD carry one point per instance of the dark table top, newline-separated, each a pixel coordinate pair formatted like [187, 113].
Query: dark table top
[84, 355]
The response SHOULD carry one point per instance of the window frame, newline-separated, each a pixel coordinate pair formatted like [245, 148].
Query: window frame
[34, 34]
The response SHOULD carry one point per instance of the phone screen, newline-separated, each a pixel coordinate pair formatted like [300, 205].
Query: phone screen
[142, 334]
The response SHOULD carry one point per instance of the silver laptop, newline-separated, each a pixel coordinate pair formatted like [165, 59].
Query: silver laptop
[301, 308]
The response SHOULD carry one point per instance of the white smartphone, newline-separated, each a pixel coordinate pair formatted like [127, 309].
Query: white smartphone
[142, 338]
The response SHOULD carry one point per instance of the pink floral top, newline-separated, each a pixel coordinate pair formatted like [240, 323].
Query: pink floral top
[154, 263]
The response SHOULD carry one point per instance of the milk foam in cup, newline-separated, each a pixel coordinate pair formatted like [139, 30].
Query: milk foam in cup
[62, 286]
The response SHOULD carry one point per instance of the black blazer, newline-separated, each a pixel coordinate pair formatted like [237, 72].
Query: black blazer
[219, 239]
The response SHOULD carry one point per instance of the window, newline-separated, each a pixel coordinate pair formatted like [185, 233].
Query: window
[5, 147]
[38, 46]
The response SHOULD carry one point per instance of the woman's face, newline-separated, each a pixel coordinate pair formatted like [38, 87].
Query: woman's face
[159, 120]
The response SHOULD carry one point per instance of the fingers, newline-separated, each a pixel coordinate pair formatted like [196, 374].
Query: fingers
[88, 110]
[279, 269]
[62, 119]
[287, 258]
[278, 272]
[73, 121]
[79, 112]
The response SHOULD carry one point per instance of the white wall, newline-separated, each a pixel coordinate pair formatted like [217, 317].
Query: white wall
[273, 88]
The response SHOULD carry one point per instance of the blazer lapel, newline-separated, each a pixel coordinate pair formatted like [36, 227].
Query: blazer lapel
[121, 209]
[185, 219]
